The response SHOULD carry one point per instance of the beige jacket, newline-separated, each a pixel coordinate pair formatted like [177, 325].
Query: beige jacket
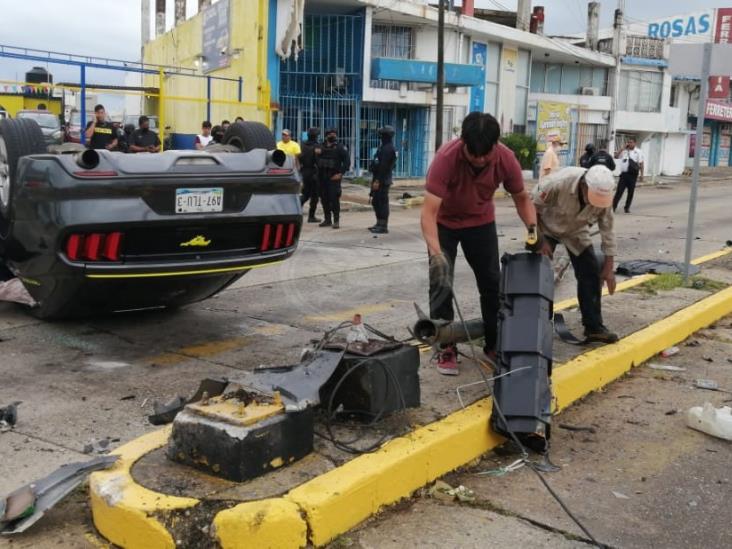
[561, 217]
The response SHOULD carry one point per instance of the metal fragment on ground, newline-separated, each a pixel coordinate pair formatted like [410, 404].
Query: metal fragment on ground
[30, 502]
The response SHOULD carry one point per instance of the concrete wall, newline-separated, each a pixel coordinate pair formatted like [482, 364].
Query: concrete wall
[425, 42]
[675, 153]
[507, 93]
[182, 45]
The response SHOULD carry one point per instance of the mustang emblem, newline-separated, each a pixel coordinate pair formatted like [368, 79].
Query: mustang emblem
[198, 240]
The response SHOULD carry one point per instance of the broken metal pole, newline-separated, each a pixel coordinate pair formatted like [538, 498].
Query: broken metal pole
[434, 332]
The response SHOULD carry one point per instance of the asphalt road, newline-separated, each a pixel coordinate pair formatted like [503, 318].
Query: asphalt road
[81, 381]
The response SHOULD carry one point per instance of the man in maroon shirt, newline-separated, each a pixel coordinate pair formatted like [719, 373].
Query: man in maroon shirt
[459, 209]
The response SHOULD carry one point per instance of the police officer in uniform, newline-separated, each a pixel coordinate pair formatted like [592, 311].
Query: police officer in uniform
[381, 168]
[310, 150]
[333, 162]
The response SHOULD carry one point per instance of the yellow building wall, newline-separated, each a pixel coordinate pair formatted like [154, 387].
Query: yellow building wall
[14, 103]
[181, 47]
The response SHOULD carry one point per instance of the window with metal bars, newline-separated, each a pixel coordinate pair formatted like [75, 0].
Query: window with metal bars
[393, 41]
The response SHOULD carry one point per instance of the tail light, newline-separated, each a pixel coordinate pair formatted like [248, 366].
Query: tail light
[94, 246]
[278, 236]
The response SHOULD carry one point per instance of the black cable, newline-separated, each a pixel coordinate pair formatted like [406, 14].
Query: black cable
[389, 378]
[515, 439]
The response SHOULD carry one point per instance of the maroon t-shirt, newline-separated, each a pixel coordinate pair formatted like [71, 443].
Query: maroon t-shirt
[467, 198]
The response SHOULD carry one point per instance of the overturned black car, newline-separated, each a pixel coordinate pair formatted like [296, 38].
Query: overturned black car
[98, 231]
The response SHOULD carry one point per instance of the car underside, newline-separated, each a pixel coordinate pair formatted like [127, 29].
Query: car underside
[99, 231]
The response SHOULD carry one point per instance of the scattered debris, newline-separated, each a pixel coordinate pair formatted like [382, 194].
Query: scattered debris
[716, 422]
[14, 291]
[672, 412]
[667, 367]
[443, 491]
[128, 397]
[165, 413]
[588, 429]
[22, 508]
[639, 267]
[671, 351]
[693, 343]
[709, 385]
[620, 495]
[100, 446]
[708, 358]
[9, 416]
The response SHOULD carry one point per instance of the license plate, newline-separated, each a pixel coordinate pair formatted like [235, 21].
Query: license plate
[199, 200]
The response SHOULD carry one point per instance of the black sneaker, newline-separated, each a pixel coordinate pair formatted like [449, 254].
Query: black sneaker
[326, 223]
[314, 220]
[379, 229]
[627, 210]
[600, 335]
[336, 225]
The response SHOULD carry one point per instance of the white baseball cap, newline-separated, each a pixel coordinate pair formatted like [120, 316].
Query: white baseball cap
[600, 186]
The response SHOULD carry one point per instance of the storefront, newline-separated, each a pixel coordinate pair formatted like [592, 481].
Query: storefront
[717, 137]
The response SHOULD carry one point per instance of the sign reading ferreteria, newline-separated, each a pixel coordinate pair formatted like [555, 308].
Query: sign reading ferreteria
[718, 110]
[216, 36]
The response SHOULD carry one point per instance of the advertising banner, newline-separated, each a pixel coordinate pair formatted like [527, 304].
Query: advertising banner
[552, 119]
[477, 93]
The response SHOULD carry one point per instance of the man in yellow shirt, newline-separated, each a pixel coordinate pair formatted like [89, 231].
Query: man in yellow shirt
[550, 160]
[288, 145]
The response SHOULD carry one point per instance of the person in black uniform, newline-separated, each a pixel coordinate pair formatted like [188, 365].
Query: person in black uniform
[100, 134]
[603, 158]
[381, 169]
[144, 139]
[310, 150]
[585, 158]
[333, 162]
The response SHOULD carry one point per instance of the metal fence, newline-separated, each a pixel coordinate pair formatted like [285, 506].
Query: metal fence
[322, 87]
[411, 138]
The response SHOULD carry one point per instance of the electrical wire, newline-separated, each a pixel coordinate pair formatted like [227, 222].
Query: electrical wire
[514, 438]
[390, 381]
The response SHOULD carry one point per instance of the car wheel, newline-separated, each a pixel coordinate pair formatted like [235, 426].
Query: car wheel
[18, 137]
[249, 136]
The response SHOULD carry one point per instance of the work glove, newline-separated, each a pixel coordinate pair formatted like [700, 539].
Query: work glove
[375, 186]
[440, 269]
[534, 242]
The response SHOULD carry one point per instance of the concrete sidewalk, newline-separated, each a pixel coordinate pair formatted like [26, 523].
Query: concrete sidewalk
[631, 470]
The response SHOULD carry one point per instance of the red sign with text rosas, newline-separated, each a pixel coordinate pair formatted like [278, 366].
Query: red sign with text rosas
[723, 33]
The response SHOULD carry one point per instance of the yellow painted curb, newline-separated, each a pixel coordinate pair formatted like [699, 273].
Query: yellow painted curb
[342, 498]
[333, 503]
[269, 523]
[711, 256]
[590, 371]
[638, 280]
[123, 511]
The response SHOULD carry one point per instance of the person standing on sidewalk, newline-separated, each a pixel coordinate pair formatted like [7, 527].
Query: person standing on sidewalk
[631, 169]
[459, 210]
[381, 168]
[288, 146]
[550, 161]
[333, 163]
[309, 171]
[567, 204]
[602, 158]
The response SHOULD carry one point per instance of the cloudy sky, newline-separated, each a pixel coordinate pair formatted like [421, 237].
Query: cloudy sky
[111, 28]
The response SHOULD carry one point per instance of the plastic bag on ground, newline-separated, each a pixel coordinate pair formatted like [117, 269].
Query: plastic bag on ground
[710, 420]
[13, 290]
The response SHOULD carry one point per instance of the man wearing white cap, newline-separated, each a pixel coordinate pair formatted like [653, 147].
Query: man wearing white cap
[568, 203]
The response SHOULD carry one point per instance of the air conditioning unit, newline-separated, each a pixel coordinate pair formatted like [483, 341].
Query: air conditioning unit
[590, 91]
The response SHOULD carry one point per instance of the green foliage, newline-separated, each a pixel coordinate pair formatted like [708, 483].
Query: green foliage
[523, 146]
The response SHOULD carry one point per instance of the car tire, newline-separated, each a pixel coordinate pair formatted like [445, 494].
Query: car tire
[19, 137]
[249, 136]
